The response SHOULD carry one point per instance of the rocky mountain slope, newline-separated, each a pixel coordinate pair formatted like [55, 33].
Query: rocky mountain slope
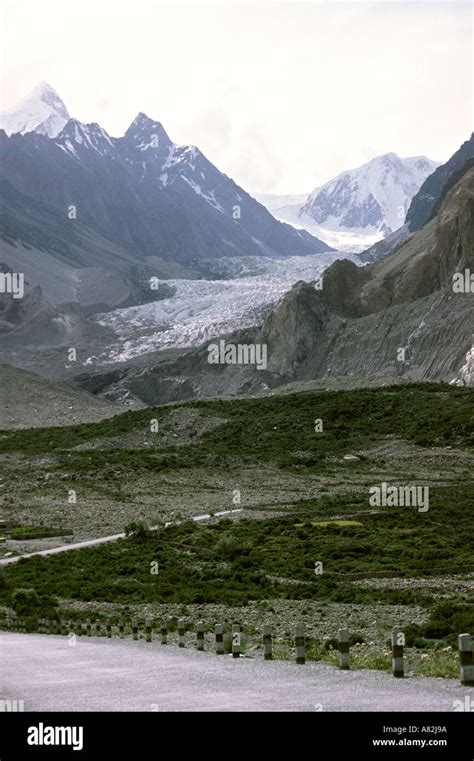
[363, 316]
[29, 401]
[424, 201]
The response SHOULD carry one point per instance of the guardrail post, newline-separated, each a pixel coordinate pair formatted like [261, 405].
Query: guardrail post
[236, 639]
[181, 632]
[465, 660]
[398, 641]
[200, 635]
[148, 624]
[267, 642]
[219, 630]
[343, 637]
[299, 642]
[164, 634]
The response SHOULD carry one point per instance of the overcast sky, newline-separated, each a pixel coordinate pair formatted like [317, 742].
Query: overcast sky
[280, 96]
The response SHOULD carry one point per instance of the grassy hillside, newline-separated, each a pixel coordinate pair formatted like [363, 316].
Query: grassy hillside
[271, 428]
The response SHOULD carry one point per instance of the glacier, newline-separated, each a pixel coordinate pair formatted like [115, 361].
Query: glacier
[245, 289]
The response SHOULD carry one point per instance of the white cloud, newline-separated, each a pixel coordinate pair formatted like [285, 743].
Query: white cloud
[280, 96]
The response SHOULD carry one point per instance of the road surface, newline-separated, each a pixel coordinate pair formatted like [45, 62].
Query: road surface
[95, 674]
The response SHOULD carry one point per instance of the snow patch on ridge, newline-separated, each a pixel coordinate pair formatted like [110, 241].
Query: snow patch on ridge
[209, 197]
[465, 376]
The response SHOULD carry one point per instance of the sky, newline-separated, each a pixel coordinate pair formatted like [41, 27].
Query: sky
[281, 96]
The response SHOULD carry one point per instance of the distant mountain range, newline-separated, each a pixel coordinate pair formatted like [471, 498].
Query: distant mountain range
[359, 206]
[133, 206]
[90, 219]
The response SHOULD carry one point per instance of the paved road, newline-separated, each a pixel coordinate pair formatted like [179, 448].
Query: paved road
[121, 675]
[103, 539]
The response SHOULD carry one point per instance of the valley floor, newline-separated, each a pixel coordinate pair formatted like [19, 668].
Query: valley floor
[301, 502]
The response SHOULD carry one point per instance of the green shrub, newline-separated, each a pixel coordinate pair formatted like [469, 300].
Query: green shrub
[24, 601]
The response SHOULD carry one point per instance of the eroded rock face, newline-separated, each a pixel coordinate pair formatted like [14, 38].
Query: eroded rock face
[399, 316]
[424, 202]
[294, 329]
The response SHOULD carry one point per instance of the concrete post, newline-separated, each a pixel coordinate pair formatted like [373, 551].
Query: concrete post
[164, 634]
[236, 638]
[398, 641]
[181, 632]
[219, 629]
[148, 625]
[465, 660]
[200, 635]
[299, 642]
[267, 642]
[343, 637]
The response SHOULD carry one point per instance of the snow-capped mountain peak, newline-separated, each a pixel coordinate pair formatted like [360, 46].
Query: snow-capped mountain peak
[372, 198]
[144, 133]
[76, 135]
[48, 95]
[41, 111]
[360, 206]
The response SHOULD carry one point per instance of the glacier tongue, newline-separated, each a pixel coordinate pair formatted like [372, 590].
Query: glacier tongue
[203, 309]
